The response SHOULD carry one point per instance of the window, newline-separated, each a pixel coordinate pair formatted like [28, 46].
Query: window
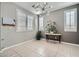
[36, 23]
[70, 20]
[30, 23]
[21, 21]
[41, 23]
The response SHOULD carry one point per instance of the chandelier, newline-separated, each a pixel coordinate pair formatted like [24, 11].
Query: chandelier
[41, 7]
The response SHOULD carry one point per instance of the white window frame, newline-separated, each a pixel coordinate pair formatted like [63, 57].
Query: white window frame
[70, 27]
[21, 21]
[36, 23]
[30, 23]
[41, 23]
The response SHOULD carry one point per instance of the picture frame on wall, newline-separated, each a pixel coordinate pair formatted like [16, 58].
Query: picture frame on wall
[7, 21]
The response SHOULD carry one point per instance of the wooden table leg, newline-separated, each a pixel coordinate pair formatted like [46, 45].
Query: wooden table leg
[59, 39]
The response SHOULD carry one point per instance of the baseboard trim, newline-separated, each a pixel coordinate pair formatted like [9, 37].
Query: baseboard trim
[14, 45]
[70, 44]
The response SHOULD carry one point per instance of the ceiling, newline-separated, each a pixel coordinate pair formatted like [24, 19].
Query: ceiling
[55, 5]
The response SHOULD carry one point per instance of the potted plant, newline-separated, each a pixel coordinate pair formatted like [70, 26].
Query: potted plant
[38, 35]
[51, 28]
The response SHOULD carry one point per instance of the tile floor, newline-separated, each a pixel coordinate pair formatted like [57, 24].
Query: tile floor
[42, 48]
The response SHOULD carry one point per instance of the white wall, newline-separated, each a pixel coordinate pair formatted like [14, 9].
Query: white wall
[9, 34]
[0, 25]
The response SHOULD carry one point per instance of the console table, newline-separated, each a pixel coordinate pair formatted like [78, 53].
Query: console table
[53, 37]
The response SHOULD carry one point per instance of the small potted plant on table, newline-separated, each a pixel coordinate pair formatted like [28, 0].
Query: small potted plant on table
[51, 28]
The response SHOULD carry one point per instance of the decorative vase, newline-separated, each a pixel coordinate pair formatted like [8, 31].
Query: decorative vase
[38, 35]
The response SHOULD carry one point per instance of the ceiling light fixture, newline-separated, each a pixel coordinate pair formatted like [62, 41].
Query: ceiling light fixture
[41, 7]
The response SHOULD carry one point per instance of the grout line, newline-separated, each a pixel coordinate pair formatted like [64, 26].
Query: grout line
[57, 50]
[35, 51]
[14, 45]
[34, 48]
[22, 56]
[17, 53]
